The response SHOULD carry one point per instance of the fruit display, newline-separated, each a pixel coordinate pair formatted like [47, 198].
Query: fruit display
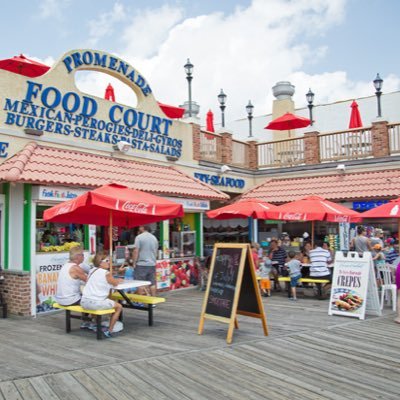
[64, 247]
[183, 273]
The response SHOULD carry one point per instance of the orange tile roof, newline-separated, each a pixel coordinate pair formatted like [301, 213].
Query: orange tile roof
[344, 186]
[55, 166]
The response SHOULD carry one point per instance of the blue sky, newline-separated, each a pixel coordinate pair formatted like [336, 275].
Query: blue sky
[336, 47]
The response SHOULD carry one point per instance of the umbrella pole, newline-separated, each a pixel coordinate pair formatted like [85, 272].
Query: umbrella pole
[110, 236]
[312, 233]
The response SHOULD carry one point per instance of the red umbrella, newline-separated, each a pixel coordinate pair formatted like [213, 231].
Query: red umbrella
[287, 122]
[172, 111]
[387, 210]
[314, 208]
[355, 117]
[24, 66]
[254, 208]
[114, 204]
[210, 121]
[109, 95]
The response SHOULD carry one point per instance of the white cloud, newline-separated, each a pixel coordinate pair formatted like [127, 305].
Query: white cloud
[103, 25]
[245, 52]
[52, 8]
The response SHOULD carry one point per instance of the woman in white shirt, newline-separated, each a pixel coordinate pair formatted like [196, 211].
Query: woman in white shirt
[97, 288]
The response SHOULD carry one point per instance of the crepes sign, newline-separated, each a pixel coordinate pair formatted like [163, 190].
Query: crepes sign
[353, 285]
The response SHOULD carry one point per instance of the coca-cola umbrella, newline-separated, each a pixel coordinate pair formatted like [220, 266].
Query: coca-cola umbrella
[355, 117]
[24, 66]
[287, 122]
[387, 210]
[254, 208]
[114, 205]
[314, 208]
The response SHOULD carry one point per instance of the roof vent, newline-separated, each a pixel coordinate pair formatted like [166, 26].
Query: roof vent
[283, 90]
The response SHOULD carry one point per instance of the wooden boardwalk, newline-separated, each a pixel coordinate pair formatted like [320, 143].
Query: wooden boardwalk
[308, 355]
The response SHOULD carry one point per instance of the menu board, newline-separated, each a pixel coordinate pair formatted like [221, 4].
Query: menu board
[223, 281]
[232, 288]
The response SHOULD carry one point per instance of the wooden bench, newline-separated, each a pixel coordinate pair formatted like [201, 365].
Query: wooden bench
[132, 298]
[79, 309]
[317, 282]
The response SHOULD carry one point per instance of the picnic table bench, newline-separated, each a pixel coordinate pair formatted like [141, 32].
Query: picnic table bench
[79, 309]
[316, 281]
[138, 302]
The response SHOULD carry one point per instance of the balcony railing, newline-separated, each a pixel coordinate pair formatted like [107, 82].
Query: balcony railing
[240, 153]
[286, 152]
[345, 145]
[394, 138]
[210, 147]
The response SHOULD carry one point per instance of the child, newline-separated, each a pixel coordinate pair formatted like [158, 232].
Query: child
[264, 270]
[379, 261]
[294, 267]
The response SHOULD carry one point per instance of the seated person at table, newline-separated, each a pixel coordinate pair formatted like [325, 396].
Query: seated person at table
[69, 279]
[320, 258]
[379, 261]
[278, 257]
[97, 288]
[265, 267]
[294, 267]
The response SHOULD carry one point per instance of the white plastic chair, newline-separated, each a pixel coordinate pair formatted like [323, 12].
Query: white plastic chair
[388, 287]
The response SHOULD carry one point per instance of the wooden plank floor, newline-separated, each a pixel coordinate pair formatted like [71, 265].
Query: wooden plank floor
[308, 355]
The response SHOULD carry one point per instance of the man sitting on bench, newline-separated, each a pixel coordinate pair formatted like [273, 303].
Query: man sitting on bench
[320, 258]
[69, 281]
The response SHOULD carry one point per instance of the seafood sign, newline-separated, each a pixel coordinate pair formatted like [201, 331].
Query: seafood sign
[353, 285]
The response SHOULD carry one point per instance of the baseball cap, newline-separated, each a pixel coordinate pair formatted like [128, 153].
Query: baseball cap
[378, 231]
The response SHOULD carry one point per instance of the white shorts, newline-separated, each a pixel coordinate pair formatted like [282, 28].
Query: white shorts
[105, 304]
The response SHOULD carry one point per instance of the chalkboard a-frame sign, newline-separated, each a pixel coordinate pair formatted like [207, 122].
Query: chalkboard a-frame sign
[232, 288]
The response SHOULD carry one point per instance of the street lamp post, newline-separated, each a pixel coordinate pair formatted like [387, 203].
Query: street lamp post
[222, 99]
[378, 81]
[310, 99]
[189, 70]
[249, 109]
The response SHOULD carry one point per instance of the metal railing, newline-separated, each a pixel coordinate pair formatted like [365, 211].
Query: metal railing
[345, 145]
[282, 153]
[240, 153]
[210, 147]
[394, 138]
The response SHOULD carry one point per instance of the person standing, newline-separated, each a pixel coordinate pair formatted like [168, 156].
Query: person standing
[278, 256]
[145, 258]
[361, 243]
[294, 267]
[377, 238]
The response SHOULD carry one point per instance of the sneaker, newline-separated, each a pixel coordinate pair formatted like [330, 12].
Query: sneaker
[93, 328]
[141, 305]
[293, 298]
[107, 334]
[86, 325]
[153, 305]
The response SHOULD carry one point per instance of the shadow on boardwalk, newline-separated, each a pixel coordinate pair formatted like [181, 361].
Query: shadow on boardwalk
[307, 355]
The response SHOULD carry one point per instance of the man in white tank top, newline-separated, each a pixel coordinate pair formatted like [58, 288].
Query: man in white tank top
[69, 279]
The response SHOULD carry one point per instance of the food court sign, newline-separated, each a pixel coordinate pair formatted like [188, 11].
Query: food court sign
[68, 113]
